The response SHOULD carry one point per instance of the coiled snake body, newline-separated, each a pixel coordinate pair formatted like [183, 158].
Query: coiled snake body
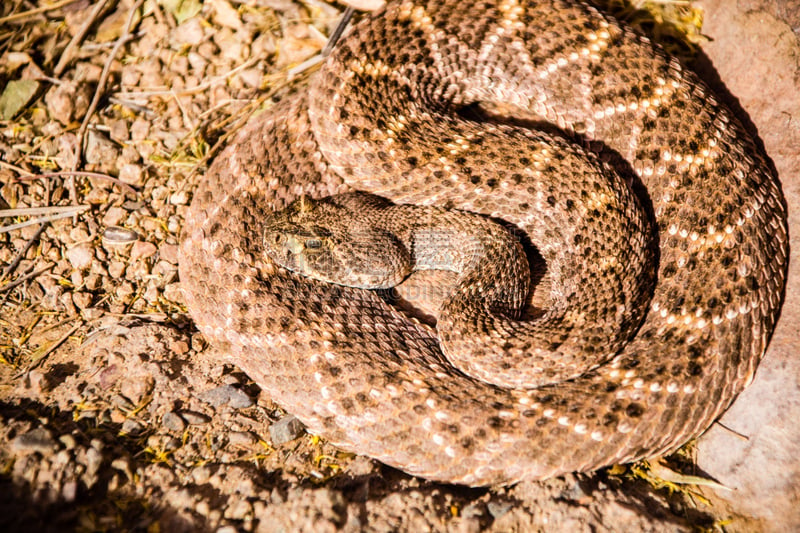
[389, 114]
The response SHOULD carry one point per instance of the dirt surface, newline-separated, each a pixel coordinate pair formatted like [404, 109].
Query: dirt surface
[754, 450]
[114, 413]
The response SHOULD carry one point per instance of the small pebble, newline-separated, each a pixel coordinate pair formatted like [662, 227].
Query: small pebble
[82, 300]
[195, 418]
[227, 395]
[198, 341]
[93, 461]
[118, 129]
[68, 441]
[179, 347]
[173, 292]
[498, 509]
[188, 33]
[362, 466]
[285, 430]
[201, 474]
[143, 250]
[131, 427]
[169, 252]
[99, 149]
[116, 269]
[36, 440]
[81, 256]
[241, 438]
[59, 101]
[132, 174]
[69, 490]
[67, 146]
[114, 216]
[140, 129]
[226, 15]
[93, 282]
[60, 460]
[239, 509]
[202, 508]
[179, 198]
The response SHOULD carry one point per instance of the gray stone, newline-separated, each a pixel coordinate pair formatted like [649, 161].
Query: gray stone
[285, 430]
[227, 395]
[131, 427]
[173, 422]
[37, 440]
[498, 509]
[195, 418]
[99, 149]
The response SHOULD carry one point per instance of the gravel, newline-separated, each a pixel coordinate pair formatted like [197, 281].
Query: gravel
[285, 430]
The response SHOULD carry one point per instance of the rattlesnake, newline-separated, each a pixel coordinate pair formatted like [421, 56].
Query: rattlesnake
[389, 113]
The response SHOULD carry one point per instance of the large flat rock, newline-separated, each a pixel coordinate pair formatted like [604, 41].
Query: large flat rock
[755, 449]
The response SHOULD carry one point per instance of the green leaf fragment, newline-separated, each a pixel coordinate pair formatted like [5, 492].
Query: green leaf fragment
[182, 9]
[16, 96]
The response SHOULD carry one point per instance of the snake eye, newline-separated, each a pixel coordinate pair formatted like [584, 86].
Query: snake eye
[277, 238]
[314, 244]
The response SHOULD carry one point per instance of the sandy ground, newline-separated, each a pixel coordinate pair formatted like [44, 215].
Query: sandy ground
[116, 415]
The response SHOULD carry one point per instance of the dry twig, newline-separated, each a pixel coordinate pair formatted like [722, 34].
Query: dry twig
[57, 212]
[68, 53]
[22, 279]
[125, 37]
[49, 350]
[36, 11]
[82, 173]
[21, 253]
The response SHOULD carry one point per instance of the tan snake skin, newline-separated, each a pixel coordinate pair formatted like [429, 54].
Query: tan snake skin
[382, 116]
[599, 264]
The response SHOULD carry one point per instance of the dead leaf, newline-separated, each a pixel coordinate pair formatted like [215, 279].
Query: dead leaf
[113, 25]
[16, 96]
[182, 9]
[226, 15]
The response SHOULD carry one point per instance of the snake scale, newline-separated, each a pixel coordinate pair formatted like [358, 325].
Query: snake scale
[390, 113]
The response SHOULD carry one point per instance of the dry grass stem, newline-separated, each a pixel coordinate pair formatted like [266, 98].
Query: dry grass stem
[58, 213]
[17, 17]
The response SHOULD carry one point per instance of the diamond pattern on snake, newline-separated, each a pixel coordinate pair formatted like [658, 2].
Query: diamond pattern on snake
[660, 224]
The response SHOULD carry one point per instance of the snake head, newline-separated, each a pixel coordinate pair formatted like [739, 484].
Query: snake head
[328, 241]
[294, 241]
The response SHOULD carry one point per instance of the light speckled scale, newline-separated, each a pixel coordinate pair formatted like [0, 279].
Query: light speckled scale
[379, 118]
